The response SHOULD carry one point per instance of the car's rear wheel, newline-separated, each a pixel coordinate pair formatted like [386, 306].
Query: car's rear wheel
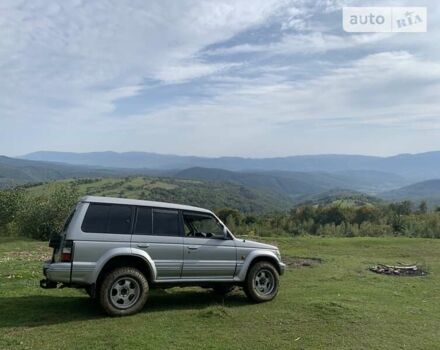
[262, 282]
[124, 291]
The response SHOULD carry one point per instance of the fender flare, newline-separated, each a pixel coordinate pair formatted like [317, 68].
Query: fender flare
[257, 254]
[128, 252]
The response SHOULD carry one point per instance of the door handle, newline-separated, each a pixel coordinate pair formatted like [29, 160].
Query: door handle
[143, 245]
[193, 247]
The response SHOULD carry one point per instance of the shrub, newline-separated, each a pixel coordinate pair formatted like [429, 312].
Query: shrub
[43, 215]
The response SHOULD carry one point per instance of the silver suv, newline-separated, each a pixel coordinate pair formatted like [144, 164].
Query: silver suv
[117, 249]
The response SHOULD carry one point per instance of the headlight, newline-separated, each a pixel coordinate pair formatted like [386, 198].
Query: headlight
[277, 253]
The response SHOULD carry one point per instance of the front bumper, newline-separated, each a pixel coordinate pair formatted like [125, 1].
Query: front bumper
[282, 268]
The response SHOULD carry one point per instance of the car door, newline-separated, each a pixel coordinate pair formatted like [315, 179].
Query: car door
[158, 232]
[207, 254]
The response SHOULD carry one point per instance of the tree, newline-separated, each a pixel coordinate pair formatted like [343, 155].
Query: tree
[304, 214]
[366, 214]
[250, 219]
[401, 208]
[398, 212]
[331, 215]
[229, 215]
[423, 207]
[9, 204]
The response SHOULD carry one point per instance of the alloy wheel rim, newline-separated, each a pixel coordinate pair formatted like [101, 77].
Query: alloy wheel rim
[124, 292]
[264, 282]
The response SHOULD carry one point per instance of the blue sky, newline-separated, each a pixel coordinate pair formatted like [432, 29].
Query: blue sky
[255, 78]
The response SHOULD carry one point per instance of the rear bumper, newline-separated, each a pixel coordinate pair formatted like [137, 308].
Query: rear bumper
[57, 272]
[47, 284]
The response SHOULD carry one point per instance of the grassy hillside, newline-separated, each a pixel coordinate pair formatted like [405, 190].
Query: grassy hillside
[337, 304]
[194, 192]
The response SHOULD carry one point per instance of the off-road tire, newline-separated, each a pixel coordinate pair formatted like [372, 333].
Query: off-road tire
[107, 287]
[251, 289]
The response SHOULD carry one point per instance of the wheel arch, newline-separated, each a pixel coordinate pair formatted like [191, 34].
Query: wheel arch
[256, 257]
[128, 258]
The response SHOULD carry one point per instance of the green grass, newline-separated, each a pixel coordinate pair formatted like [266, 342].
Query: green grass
[337, 304]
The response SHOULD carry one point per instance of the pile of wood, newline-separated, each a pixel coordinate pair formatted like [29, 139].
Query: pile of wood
[398, 270]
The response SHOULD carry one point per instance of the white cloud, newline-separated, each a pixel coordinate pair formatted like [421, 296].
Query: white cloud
[181, 73]
[308, 43]
[385, 89]
[81, 55]
[64, 65]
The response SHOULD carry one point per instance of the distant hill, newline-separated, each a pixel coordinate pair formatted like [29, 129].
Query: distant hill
[21, 171]
[292, 187]
[212, 195]
[420, 166]
[340, 197]
[426, 190]
[264, 189]
[297, 184]
[15, 171]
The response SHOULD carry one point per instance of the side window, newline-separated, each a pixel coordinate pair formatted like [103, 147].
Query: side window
[144, 221]
[202, 226]
[107, 218]
[165, 222]
[96, 218]
[119, 219]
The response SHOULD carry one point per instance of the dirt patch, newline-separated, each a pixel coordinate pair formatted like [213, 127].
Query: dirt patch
[300, 261]
[399, 270]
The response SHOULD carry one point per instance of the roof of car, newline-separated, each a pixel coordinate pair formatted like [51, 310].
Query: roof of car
[113, 200]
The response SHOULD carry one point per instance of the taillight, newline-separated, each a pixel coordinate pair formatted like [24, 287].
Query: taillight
[66, 252]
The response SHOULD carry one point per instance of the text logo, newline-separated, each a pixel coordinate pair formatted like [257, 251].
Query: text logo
[384, 19]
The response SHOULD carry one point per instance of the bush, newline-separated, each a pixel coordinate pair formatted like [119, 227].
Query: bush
[42, 216]
[9, 205]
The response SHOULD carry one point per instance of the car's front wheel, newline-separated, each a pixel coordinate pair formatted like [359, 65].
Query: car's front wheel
[262, 282]
[124, 291]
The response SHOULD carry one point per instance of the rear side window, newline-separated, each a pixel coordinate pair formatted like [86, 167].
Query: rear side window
[96, 218]
[144, 221]
[108, 218]
[119, 219]
[166, 222]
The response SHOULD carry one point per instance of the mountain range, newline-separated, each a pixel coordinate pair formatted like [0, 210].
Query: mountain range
[415, 167]
[14, 171]
[297, 178]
